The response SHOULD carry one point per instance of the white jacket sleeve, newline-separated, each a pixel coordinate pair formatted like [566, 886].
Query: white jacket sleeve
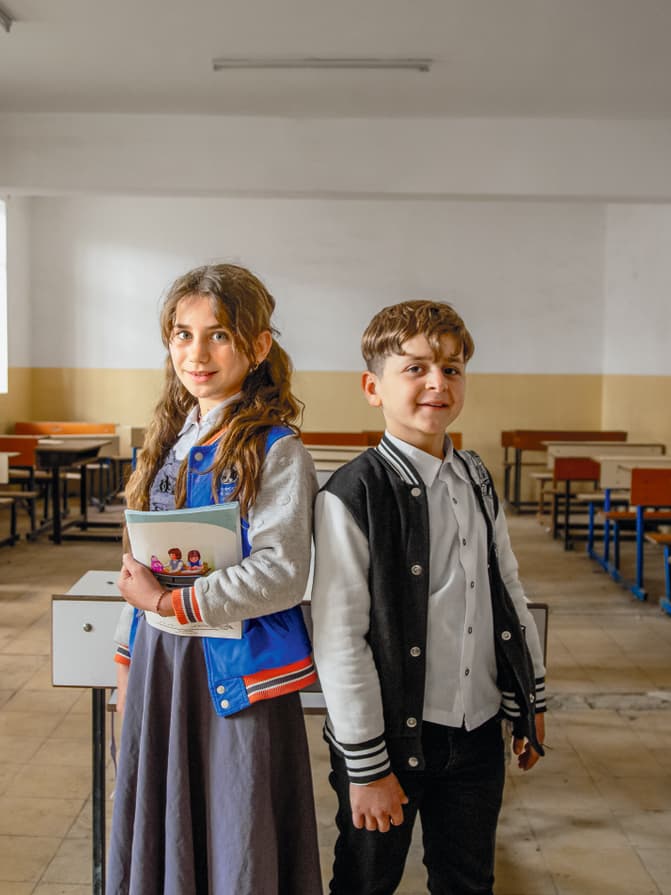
[510, 574]
[341, 618]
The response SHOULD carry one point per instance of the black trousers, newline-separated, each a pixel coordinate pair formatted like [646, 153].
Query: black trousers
[458, 796]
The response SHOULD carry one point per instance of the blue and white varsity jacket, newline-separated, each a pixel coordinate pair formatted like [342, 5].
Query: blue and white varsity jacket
[273, 655]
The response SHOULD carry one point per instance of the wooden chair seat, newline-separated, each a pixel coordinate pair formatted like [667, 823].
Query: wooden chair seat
[662, 538]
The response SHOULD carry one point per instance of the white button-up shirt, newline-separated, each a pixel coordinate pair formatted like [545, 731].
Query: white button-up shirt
[460, 660]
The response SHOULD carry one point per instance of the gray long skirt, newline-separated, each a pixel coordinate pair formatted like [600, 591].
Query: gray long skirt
[206, 805]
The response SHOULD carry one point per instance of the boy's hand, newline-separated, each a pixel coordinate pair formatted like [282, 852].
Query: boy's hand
[378, 805]
[527, 755]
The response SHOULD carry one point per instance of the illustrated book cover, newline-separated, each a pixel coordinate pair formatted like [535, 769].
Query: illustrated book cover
[180, 546]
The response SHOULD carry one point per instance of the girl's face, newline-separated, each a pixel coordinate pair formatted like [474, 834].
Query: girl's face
[203, 354]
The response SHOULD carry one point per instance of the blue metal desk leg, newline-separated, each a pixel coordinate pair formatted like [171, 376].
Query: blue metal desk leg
[590, 529]
[614, 567]
[637, 588]
[604, 559]
[665, 602]
[98, 793]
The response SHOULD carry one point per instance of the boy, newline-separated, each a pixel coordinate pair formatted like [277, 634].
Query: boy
[422, 636]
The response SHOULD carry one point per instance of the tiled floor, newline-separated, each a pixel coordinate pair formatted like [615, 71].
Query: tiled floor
[593, 819]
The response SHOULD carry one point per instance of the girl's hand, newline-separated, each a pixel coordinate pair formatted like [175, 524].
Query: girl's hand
[139, 587]
[122, 672]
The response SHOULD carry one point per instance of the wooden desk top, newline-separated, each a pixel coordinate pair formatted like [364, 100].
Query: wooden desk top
[616, 471]
[532, 439]
[325, 450]
[55, 452]
[593, 448]
[94, 584]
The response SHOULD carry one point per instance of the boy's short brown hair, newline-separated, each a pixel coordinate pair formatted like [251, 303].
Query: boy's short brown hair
[394, 325]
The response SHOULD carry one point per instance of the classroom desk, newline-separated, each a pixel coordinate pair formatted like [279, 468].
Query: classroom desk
[590, 448]
[83, 621]
[612, 479]
[55, 454]
[647, 491]
[524, 440]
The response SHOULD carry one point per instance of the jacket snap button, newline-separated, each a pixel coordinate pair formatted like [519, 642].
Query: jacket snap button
[413, 762]
[506, 635]
[415, 492]
[416, 569]
[221, 689]
[411, 722]
[415, 651]
[198, 455]
[224, 703]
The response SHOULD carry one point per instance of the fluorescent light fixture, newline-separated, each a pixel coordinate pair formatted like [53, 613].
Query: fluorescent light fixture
[345, 64]
[6, 20]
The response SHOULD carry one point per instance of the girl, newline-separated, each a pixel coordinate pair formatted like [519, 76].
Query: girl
[213, 795]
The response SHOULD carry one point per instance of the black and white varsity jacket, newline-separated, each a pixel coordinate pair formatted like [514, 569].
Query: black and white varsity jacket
[386, 498]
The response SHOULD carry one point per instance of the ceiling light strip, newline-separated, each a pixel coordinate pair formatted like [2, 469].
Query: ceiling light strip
[351, 64]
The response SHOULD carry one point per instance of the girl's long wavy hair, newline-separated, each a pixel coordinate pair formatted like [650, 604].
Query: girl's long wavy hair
[243, 306]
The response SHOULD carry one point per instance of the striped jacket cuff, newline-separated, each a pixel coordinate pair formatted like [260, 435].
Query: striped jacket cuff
[185, 605]
[511, 707]
[122, 654]
[365, 762]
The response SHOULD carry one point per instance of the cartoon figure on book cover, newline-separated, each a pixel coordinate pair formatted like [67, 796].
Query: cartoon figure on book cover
[175, 563]
[155, 564]
[194, 561]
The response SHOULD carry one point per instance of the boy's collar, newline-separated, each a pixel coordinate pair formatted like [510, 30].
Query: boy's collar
[425, 464]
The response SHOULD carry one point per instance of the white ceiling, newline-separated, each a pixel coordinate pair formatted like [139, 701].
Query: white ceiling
[564, 58]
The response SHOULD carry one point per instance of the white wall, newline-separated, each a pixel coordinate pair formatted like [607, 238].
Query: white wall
[198, 155]
[637, 320]
[527, 276]
[19, 304]
[341, 216]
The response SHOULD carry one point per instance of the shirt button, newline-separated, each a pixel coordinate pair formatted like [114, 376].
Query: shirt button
[472, 584]
[415, 651]
[413, 762]
[463, 541]
[221, 689]
[470, 629]
[506, 635]
[454, 500]
[532, 697]
[198, 455]
[416, 569]
[415, 492]
[467, 672]
[224, 703]
[411, 722]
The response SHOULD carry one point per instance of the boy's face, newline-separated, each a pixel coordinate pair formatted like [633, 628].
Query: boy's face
[420, 395]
